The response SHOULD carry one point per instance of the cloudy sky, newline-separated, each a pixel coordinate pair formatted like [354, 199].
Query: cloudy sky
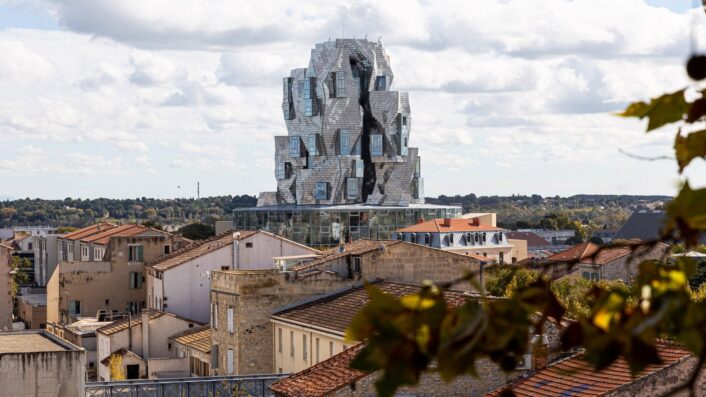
[137, 98]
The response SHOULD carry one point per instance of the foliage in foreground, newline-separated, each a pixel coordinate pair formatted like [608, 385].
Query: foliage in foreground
[403, 337]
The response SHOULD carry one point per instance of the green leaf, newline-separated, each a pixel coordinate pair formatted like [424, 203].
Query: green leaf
[662, 110]
[690, 147]
[687, 215]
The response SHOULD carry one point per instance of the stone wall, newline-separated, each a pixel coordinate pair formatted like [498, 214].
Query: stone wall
[626, 268]
[253, 295]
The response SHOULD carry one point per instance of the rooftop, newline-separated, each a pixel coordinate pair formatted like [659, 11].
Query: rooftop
[348, 207]
[336, 311]
[533, 240]
[357, 247]
[574, 376]
[31, 342]
[196, 250]
[87, 231]
[198, 338]
[323, 378]
[123, 324]
[34, 299]
[448, 225]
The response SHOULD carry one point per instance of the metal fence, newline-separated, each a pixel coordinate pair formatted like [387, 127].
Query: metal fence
[212, 386]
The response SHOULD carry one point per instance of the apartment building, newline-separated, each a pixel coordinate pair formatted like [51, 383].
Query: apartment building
[179, 283]
[467, 236]
[5, 286]
[112, 284]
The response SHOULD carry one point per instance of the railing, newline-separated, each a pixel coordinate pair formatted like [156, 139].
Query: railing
[211, 386]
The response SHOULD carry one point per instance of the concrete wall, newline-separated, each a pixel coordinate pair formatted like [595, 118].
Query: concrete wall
[43, 374]
[5, 289]
[257, 251]
[34, 316]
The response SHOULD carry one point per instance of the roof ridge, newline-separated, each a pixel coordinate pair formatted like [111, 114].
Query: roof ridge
[190, 247]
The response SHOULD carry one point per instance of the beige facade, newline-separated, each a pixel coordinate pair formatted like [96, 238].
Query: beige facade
[242, 301]
[32, 310]
[5, 287]
[39, 364]
[519, 249]
[300, 346]
[114, 285]
[82, 333]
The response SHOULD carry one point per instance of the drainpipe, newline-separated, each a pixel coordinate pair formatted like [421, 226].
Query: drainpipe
[236, 251]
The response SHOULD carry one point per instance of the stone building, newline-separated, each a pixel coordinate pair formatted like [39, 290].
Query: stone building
[179, 283]
[113, 284]
[242, 301]
[32, 310]
[345, 161]
[39, 364]
[5, 287]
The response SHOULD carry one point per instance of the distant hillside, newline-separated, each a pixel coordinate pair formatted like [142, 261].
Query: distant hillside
[513, 211]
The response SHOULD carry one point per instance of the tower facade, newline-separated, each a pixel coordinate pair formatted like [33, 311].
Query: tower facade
[348, 132]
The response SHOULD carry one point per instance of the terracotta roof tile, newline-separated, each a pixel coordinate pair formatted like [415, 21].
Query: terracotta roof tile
[533, 240]
[454, 225]
[198, 338]
[323, 378]
[336, 311]
[87, 231]
[575, 377]
[122, 230]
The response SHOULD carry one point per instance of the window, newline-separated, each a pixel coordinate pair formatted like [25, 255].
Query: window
[501, 258]
[287, 89]
[451, 239]
[29, 246]
[317, 350]
[413, 238]
[291, 343]
[230, 319]
[308, 107]
[308, 87]
[135, 253]
[380, 83]
[352, 188]
[340, 84]
[586, 275]
[359, 168]
[343, 148]
[74, 308]
[404, 121]
[136, 279]
[330, 349]
[134, 307]
[248, 245]
[279, 171]
[230, 362]
[309, 96]
[295, 149]
[279, 339]
[427, 238]
[313, 147]
[321, 191]
[594, 276]
[304, 347]
[214, 315]
[214, 356]
[167, 250]
[376, 145]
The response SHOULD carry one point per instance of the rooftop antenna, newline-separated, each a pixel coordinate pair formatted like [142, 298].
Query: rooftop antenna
[198, 190]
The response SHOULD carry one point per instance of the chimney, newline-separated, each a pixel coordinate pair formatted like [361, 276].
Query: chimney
[145, 326]
[475, 221]
[539, 352]
[447, 222]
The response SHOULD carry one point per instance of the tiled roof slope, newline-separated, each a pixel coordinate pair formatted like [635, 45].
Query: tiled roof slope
[575, 253]
[88, 231]
[533, 240]
[196, 250]
[123, 324]
[198, 338]
[119, 231]
[323, 378]
[336, 311]
[576, 377]
[357, 247]
[454, 225]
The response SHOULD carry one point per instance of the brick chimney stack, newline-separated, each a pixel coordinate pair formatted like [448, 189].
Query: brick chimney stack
[447, 222]
[475, 221]
[539, 352]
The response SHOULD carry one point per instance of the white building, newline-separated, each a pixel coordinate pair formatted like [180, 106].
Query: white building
[180, 283]
[142, 342]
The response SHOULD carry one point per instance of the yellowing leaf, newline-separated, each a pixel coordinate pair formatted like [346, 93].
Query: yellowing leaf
[690, 147]
[662, 110]
[416, 302]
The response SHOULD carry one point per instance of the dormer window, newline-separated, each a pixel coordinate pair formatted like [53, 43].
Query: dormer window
[381, 83]
[295, 149]
[451, 239]
[343, 148]
[340, 84]
[427, 238]
[413, 238]
[321, 191]
[313, 145]
[376, 145]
